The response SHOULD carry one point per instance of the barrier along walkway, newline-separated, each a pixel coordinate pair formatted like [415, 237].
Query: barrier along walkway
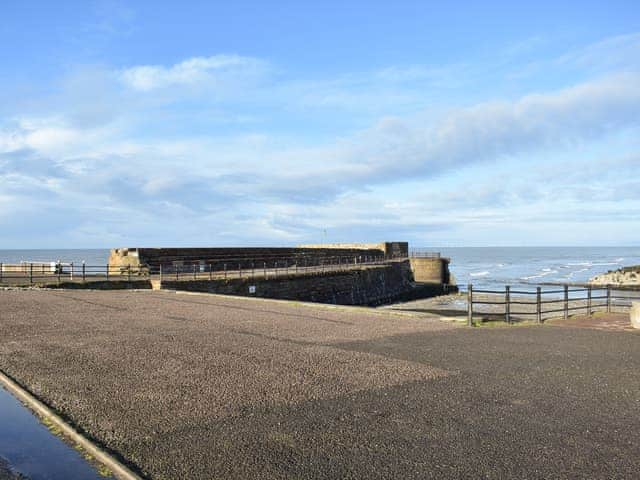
[57, 273]
[512, 305]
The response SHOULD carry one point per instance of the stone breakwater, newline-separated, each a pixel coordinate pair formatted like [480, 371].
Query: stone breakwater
[624, 277]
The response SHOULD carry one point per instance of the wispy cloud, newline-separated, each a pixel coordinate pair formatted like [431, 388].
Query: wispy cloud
[217, 70]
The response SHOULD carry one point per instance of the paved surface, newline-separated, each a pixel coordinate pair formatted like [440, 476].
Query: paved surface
[599, 321]
[208, 387]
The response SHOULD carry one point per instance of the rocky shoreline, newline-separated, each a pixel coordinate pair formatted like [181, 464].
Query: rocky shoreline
[623, 277]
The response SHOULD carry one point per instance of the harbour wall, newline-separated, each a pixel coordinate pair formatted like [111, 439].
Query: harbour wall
[376, 285]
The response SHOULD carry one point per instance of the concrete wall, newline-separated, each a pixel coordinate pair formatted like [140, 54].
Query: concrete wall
[367, 286]
[137, 257]
[431, 270]
[390, 249]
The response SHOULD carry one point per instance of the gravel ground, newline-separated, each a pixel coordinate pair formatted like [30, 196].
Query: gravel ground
[199, 387]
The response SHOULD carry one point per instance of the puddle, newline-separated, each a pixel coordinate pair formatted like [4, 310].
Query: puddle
[28, 450]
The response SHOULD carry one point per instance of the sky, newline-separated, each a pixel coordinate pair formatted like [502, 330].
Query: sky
[282, 122]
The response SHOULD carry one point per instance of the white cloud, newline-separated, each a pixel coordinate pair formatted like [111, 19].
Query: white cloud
[213, 70]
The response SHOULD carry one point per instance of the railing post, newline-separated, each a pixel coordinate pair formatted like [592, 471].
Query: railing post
[264, 267]
[129, 273]
[507, 303]
[539, 304]
[194, 271]
[225, 271]
[210, 271]
[589, 300]
[84, 272]
[177, 272]
[107, 272]
[71, 273]
[160, 272]
[253, 270]
[296, 264]
[566, 302]
[59, 269]
[31, 273]
[608, 298]
[470, 305]
[239, 270]
[1, 268]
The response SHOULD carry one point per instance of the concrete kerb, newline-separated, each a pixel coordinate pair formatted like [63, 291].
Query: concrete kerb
[118, 469]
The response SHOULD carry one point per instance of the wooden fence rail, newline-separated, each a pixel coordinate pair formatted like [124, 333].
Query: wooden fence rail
[541, 303]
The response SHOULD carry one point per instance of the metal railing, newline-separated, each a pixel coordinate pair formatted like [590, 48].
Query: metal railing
[423, 254]
[541, 304]
[57, 273]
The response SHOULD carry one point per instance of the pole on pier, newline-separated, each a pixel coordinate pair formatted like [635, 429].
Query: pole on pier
[539, 304]
[589, 300]
[566, 302]
[470, 305]
[507, 303]
[608, 298]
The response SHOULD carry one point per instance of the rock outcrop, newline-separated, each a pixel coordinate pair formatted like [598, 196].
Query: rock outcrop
[624, 277]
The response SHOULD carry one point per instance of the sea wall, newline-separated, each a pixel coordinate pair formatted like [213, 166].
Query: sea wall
[378, 285]
[235, 257]
[431, 270]
[390, 249]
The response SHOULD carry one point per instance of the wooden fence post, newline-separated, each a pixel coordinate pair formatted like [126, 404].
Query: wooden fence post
[161, 273]
[507, 303]
[1, 268]
[470, 305]
[589, 300]
[264, 267]
[566, 302]
[31, 273]
[84, 272]
[129, 273]
[107, 272]
[539, 304]
[608, 298]
[71, 274]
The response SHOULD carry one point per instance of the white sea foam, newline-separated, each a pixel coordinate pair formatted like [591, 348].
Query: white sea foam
[479, 274]
[543, 273]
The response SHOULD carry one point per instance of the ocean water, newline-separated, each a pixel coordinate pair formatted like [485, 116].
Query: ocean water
[484, 267]
[495, 267]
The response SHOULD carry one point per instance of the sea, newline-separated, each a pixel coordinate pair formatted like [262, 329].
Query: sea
[483, 267]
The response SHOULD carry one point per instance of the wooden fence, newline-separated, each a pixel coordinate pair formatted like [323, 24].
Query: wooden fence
[540, 304]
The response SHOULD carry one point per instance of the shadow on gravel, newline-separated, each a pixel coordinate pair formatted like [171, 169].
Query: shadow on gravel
[527, 403]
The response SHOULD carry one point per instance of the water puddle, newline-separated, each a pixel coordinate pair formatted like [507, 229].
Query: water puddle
[30, 451]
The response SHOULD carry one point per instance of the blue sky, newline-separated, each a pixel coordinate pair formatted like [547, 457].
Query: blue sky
[277, 123]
